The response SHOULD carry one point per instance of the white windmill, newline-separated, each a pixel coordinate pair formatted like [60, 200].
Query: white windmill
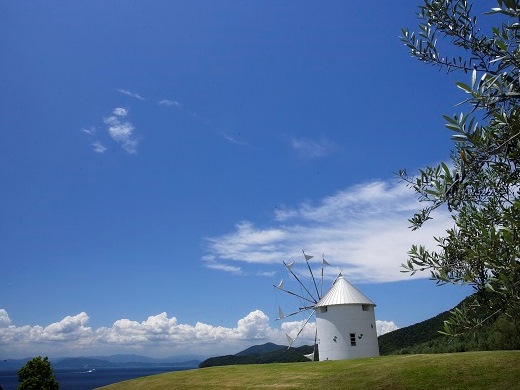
[345, 318]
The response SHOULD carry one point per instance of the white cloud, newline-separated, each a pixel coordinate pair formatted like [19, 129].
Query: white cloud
[309, 148]
[223, 267]
[119, 111]
[233, 140]
[99, 147]
[122, 132]
[169, 103]
[89, 130]
[71, 328]
[131, 94]
[385, 327]
[362, 229]
[5, 321]
[158, 335]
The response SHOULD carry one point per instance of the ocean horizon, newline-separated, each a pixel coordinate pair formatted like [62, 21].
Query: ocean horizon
[74, 379]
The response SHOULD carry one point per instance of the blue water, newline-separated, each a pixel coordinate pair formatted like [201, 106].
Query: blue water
[81, 380]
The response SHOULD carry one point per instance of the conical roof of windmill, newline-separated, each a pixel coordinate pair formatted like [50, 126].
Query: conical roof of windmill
[343, 293]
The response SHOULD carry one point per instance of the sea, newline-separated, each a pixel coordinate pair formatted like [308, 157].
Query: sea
[74, 379]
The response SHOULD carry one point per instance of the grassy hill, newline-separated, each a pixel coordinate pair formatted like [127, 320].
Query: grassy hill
[470, 370]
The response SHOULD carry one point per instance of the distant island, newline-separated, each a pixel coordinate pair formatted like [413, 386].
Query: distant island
[112, 361]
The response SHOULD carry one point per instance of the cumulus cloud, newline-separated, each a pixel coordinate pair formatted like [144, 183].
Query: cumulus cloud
[131, 94]
[71, 328]
[385, 327]
[362, 229]
[71, 335]
[5, 321]
[121, 131]
[311, 148]
[157, 335]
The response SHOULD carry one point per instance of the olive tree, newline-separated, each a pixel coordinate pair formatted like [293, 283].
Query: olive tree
[480, 186]
[37, 374]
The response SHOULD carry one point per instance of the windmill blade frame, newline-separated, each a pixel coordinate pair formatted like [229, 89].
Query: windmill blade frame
[300, 331]
[307, 258]
[296, 295]
[301, 284]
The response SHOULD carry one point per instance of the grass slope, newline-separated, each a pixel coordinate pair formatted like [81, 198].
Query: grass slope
[470, 370]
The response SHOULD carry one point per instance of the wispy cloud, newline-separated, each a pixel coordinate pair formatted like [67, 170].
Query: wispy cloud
[233, 140]
[223, 267]
[362, 229]
[311, 148]
[99, 147]
[131, 94]
[159, 335]
[121, 131]
[89, 130]
[168, 103]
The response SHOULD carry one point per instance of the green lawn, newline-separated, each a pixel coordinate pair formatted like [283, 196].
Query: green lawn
[470, 370]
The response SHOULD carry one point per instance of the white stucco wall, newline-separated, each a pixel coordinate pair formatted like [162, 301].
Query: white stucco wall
[335, 326]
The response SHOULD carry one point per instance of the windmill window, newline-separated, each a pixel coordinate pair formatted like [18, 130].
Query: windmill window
[364, 307]
[353, 339]
[323, 309]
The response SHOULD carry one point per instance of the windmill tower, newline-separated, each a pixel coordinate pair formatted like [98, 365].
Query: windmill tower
[345, 318]
[345, 323]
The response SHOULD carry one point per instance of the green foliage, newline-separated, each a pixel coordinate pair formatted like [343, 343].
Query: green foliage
[37, 374]
[405, 340]
[500, 334]
[480, 187]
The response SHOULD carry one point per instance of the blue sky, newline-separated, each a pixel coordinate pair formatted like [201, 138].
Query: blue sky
[160, 159]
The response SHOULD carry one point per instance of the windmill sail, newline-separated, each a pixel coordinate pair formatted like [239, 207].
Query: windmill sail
[310, 356]
[290, 340]
[323, 264]
[307, 258]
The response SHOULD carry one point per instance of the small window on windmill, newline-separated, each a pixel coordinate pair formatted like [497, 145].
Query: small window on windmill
[323, 309]
[364, 307]
[353, 339]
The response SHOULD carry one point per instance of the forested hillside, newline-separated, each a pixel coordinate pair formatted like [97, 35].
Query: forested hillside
[258, 355]
[498, 333]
